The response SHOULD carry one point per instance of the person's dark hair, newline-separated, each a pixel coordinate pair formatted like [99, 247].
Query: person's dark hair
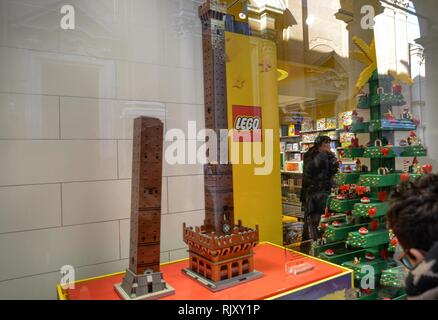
[413, 213]
[319, 141]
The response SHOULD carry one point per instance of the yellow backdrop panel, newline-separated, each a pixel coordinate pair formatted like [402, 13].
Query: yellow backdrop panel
[252, 81]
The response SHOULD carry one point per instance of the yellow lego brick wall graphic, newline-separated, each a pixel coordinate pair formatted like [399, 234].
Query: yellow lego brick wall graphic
[252, 83]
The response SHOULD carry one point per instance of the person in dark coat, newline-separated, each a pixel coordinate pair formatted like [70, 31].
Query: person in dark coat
[320, 167]
[413, 217]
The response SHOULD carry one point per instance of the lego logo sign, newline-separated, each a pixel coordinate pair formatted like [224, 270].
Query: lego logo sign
[247, 123]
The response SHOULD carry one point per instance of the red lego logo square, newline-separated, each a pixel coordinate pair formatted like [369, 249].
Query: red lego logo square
[247, 124]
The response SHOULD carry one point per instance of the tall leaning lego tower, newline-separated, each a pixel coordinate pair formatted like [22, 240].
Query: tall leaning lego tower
[143, 279]
[221, 253]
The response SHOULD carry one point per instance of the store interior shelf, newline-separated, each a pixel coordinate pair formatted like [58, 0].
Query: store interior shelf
[291, 203]
[324, 130]
[299, 216]
[291, 173]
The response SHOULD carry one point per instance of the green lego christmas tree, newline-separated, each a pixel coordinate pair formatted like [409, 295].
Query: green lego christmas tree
[353, 230]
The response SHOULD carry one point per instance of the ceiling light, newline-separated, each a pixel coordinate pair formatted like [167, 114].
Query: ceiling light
[310, 20]
[244, 13]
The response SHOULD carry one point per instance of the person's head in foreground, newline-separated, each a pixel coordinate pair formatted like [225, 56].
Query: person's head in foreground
[413, 216]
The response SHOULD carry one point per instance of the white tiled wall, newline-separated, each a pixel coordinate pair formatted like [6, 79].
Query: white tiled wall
[67, 104]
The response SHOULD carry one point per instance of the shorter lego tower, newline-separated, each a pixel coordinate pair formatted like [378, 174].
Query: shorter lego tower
[143, 280]
[221, 253]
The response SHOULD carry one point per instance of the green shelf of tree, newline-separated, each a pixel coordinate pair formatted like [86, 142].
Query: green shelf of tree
[335, 217]
[347, 178]
[370, 210]
[385, 99]
[362, 268]
[342, 255]
[369, 297]
[380, 125]
[377, 153]
[318, 248]
[393, 277]
[391, 125]
[379, 180]
[360, 127]
[337, 205]
[386, 152]
[339, 218]
[372, 239]
[413, 151]
[334, 234]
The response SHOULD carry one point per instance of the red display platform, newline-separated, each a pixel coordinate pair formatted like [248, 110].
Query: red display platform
[326, 280]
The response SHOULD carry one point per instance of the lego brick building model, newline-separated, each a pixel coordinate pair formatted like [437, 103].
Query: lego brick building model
[221, 253]
[143, 279]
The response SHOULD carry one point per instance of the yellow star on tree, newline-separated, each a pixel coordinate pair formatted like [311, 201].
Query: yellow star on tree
[368, 56]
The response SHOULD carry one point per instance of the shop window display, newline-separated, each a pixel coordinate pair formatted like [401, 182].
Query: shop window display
[276, 75]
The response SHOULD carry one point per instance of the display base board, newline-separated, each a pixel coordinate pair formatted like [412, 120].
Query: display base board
[224, 284]
[151, 296]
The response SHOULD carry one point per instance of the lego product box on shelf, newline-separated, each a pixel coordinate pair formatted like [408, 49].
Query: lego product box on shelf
[282, 146]
[321, 124]
[332, 135]
[296, 167]
[295, 146]
[345, 119]
[292, 232]
[284, 131]
[309, 137]
[345, 139]
[331, 123]
[307, 125]
[293, 132]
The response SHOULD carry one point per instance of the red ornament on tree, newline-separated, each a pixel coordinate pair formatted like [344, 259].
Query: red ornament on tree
[361, 190]
[383, 196]
[372, 212]
[405, 177]
[374, 225]
[427, 168]
[365, 200]
[384, 151]
[366, 291]
[327, 213]
[394, 242]
[345, 188]
[397, 89]
[370, 257]
[337, 224]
